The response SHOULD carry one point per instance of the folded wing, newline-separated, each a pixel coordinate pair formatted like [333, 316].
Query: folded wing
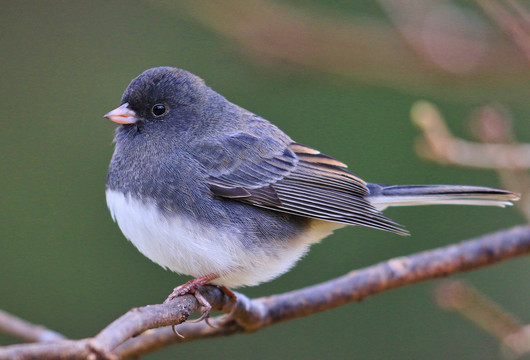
[290, 178]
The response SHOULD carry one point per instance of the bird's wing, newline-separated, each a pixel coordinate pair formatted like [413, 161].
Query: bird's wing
[291, 178]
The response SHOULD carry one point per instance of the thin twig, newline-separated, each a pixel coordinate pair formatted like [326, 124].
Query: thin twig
[438, 144]
[458, 296]
[15, 326]
[455, 295]
[509, 159]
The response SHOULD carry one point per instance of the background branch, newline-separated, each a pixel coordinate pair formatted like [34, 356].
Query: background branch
[498, 150]
[422, 46]
[456, 295]
[27, 331]
[130, 335]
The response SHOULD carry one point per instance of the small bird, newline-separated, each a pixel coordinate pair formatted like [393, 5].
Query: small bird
[208, 189]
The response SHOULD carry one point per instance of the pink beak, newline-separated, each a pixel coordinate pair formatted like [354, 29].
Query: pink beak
[122, 115]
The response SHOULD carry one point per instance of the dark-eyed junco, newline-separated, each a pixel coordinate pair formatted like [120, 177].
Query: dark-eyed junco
[206, 188]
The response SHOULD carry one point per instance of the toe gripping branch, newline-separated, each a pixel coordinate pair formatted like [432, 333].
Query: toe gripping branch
[192, 287]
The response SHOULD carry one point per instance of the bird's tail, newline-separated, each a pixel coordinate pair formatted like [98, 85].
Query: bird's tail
[383, 196]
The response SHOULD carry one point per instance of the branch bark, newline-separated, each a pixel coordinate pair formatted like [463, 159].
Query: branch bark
[141, 330]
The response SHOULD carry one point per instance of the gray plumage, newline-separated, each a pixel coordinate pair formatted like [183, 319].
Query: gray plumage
[214, 162]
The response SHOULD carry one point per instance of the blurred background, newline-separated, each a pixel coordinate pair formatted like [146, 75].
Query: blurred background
[340, 76]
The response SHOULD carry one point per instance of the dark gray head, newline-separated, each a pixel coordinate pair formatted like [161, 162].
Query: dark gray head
[169, 87]
[162, 99]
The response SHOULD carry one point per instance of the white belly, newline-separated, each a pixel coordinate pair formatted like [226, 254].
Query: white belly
[179, 244]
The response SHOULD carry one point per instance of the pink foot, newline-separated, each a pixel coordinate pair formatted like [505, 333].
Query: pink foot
[191, 286]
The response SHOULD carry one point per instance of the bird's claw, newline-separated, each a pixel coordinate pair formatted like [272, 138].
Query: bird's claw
[191, 287]
[206, 308]
[174, 328]
[179, 291]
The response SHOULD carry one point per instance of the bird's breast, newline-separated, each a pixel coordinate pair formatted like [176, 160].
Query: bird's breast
[196, 247]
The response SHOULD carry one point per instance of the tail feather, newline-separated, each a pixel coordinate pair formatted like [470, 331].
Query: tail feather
[383, 196]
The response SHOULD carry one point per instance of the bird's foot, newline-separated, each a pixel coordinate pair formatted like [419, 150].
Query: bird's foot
[191, 286]
[205, 308]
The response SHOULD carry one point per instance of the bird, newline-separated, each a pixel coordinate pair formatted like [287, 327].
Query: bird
[208, 189]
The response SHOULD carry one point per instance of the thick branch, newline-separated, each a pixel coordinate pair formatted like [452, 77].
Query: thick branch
[116, 341]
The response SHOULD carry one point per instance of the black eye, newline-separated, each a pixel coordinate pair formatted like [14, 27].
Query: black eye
[158, 109]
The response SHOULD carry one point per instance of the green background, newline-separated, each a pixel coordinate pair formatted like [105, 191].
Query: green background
[65, 264]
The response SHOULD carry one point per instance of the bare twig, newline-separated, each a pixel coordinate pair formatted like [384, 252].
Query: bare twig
[117, 341]
[513, 19]
[369, 48]
[458, 296]
[438, 144]
[511, 160]
[26, 331]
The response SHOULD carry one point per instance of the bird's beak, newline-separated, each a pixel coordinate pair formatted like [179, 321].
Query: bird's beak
[122, 115]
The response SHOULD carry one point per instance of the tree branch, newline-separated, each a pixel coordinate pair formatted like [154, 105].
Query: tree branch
[498, 151]
[27, 331]
[412, 54]
[456, 295]
[118, 341]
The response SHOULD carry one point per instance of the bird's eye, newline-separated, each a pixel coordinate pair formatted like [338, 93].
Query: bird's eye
[158, 109]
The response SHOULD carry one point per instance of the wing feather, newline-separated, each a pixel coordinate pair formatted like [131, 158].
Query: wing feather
[291, 178]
